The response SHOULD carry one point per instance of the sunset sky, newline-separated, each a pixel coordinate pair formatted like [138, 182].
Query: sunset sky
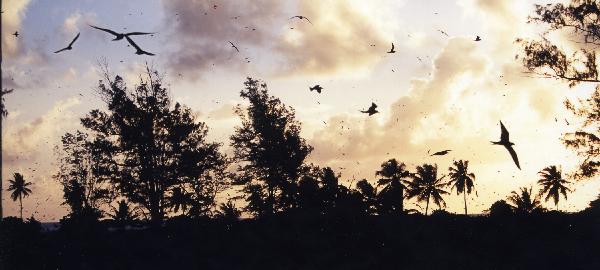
[436, 92]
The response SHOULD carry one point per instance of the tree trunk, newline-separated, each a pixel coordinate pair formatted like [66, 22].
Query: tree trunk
[21, 204]
[427, 206]
[465, 197]
[401, 199]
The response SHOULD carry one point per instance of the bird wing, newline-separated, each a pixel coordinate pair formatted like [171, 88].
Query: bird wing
[392, 46]
[139, 33]
[294, 17]
[504, 133]
[105, 30]
[76, 37]
[133, 43]
[63, 49]
[513, 154]
[235, 47]
[308, 20]
[373, 105]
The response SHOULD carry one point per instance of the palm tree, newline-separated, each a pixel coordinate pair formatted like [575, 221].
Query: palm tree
[553, 184]
[425, 186]
[525, 203]
[461, 179]
[19, 188]
[392, 195]
[179, 199]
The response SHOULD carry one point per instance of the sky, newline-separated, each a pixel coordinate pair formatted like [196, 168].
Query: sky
[436, 92]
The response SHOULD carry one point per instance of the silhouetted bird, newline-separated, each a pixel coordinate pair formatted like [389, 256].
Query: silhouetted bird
[372, 110]
[138, 51]
[235, 47]
[301, 18]
[478, 38]
[317, 88]
[504, 141]
[70, 47]
[441, 153]
[443, 32]
[392, 49]
[16, 34]
[119, 36]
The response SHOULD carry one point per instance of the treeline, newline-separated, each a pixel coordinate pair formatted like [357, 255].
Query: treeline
[145, 157]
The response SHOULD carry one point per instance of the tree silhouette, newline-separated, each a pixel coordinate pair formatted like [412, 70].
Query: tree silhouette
[179, 199]
[3, 113]
[369, 196]
[500, 209]
[553, 185]
[269, 149]
[391, 197]
[425, 186]
[156, 147]
[461, 179]
[524, 203]
[123, 213]
[542, 57]
[228, 211]
[19, 188]
[82, 170]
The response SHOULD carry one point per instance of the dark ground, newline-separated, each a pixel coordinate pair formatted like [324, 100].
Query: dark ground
[549, 241]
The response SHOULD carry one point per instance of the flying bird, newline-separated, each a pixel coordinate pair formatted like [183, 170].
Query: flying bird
[504, 141]
[70, 47]
[443, 32]
[119, 36]
[317, 88]
[235, 47]
[478, 38]
[301, 18]
[16, 34]
[138, 51]
[372, 110]
[392, 49]
[441, 153]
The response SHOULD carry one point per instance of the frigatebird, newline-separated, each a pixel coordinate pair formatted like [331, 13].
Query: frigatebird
[504, 141]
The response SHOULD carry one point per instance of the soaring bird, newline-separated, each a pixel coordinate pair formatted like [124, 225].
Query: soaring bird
[301, 18]
[478, 38]
[16, 34]
[119, 36]
[235, 47]
[70, 47]
[317, 88]
[504, 141]
[372, 110]
[443, 32]
[138, 51]
[392, 49]
[441, 153]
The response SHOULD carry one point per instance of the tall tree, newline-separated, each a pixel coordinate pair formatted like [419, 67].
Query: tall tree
[393, 181]
[524, 202]
[580, 19]
[156, 146]
[82, 172]
[461, 179]
[425, 185]
[553, 184]
[3, 113]
[269, 149]
[19, 188]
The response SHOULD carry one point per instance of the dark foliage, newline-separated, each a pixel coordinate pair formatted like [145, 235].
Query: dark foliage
[269, 149]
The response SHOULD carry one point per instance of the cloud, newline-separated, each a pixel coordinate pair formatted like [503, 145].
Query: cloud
[339, 38]
[337, 41]
[201, 33]
[28, 141]
[14, 13]
[73, 23]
